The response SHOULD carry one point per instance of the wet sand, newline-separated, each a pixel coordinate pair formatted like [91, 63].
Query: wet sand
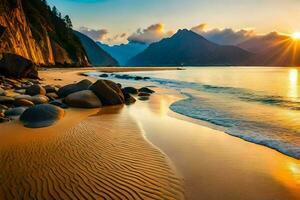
[215, 165]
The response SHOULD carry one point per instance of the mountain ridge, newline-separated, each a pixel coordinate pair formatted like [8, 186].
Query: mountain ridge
[186, 48]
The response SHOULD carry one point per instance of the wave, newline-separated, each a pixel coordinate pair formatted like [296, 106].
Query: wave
[221, 106]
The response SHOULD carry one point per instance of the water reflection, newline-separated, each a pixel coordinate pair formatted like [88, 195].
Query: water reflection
[293, 83]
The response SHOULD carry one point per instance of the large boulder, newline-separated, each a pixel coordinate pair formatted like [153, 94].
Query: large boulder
[35, 90]
[41, 116]
[108, 92]
[15, 112]
[71, 88]
[83, 99]
[16, 66]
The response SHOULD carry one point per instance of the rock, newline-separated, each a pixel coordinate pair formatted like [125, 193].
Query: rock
[103, 75]
[43, 115]
[129, 90]
[12, 65]
[71, 88]
[129, 99]
[3, 119]
[108, 92]
[20, 91]
[15, 112]
[143, 94]
[27, 97]
[35, 90]
[83, 99]
[52, 96]
[6, 100]
[146, 90]
[59, 103]
[3, 107]
[143, 98]
[39, 99]
[50, 89]
[23, 102]
[2, 92]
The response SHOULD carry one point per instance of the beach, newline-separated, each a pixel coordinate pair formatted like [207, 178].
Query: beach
[141, 151]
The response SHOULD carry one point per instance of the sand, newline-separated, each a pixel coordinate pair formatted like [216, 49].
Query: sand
[90, 154]
[142, 151]
[215, 165]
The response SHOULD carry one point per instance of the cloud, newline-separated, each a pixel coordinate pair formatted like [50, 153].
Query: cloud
[97, 35]
[151, 34]
[225, 36]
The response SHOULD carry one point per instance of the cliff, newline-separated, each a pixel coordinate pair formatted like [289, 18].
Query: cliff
[29, 28]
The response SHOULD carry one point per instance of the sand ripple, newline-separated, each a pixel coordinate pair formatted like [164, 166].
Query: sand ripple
[103, 157]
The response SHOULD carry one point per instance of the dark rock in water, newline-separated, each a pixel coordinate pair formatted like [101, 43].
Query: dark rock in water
[71, 88]
[103, 75]
[129, 99]
[59, 103]
[129, 90]
[137, 78]
[143, 94]
[145, 98]
[39, 99]
[15, 112]
[146, 90]
[23, 102]
[41, 116]
[50, 89]
[83, 99]
[108, 92]
[16, 66]
[35, 90]
[6, 100]
[119, 85]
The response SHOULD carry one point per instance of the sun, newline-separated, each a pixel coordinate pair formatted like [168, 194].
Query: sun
[296, 36]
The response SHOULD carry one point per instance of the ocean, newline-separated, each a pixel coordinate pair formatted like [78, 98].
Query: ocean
[258, 104]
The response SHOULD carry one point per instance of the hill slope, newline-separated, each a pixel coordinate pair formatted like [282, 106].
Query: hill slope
[189, 49]
[31, 29]
[96, 55]
[123, 52]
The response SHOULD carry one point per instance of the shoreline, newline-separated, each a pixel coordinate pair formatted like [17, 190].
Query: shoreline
[206, 157]
[196, 161]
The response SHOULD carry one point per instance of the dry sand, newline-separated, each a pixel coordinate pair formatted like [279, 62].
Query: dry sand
[103, 156]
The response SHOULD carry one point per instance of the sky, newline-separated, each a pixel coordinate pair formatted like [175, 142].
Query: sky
[114, 21]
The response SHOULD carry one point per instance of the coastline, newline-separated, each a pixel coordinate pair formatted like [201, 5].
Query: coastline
[212, 164]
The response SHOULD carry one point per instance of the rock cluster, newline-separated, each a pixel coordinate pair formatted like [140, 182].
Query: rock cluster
[38, 105]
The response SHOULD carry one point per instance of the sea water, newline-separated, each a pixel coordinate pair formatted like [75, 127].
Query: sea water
[257, 104]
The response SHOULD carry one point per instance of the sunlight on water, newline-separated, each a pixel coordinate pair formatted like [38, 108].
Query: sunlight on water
[257, 104]
[293, 83]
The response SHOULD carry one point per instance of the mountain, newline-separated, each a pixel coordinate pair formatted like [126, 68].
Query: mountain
[30, 28]
[189, 49]
[273, 50]
[96, 55]
[124, 52]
